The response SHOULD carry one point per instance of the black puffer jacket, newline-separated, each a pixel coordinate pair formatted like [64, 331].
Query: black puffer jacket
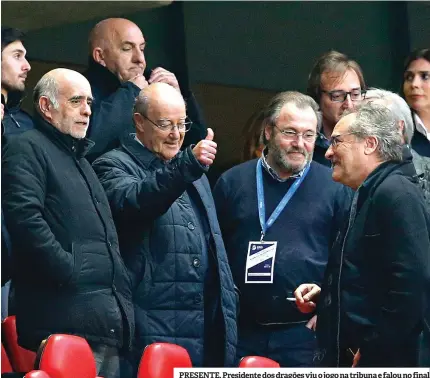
[68, 274]
[377, 280]
[161, 244]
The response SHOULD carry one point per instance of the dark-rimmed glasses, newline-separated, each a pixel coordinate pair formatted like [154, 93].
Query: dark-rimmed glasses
[334, 141]
[289, 134]
[167, 125]
[340, 96]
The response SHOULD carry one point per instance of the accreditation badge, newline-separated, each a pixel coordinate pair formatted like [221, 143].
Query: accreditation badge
[260, 262]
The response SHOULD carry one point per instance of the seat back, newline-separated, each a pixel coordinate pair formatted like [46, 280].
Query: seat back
[37, 374]
[159, 360]
[6, 367]
[22, 360]
[257, 362]
[66, 356]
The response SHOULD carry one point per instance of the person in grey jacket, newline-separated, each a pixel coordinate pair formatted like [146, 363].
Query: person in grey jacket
[169, 233]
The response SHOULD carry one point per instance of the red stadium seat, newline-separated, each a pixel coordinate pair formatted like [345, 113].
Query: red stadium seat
[6, 367]
[66, 356]
[159, 359]
[22, 360]
[257, 362]
[37, 374]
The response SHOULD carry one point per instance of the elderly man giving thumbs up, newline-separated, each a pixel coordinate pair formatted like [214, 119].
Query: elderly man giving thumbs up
[169, 233]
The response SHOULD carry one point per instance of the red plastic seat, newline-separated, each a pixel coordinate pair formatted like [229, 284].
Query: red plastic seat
[37, 374]
[257, 362]
[22, 360]
[66, 356]
[6, 367]
[159, 360]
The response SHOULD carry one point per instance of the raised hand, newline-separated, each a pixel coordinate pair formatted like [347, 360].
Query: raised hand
[205, 150]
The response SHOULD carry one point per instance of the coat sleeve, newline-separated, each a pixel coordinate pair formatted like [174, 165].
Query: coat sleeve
[406, 251]
[147, 198]
[24, 188]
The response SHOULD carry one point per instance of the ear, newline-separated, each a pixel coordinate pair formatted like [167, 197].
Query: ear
[403, 131]
[138, 122]
[268, 130]
[370, 146]
[98, 56]
[45, 107]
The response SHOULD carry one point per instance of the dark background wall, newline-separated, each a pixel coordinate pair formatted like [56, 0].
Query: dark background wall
[237, 54]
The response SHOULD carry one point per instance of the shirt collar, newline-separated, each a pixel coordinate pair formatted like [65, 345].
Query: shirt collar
[273, 173]
[420, 126]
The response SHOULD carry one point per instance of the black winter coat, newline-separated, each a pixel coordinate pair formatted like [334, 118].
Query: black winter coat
[112, 111]
[378, 279]
[69, 276]
[162, 247]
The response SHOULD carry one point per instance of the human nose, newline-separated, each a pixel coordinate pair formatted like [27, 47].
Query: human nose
[329, 153]
[86, 109]
[139, 56]
[26, 66]
[347, 103]
[416, 81]
[299, 139]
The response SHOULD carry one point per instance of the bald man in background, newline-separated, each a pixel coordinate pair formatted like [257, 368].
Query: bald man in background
[117, 72]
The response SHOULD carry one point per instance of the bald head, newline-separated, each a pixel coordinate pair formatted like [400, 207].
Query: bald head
[63, 98]
[155, 96]
[118, 44]
[158, 109]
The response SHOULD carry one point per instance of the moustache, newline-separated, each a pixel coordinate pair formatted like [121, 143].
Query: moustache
[296, 149]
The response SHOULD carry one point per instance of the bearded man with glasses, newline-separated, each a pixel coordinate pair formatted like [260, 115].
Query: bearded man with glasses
[279, 216]
[169, 234]
[337, 84]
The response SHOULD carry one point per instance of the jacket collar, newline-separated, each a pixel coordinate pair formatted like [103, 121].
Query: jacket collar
[142, 155]
[101, 77]
[14, 100]
[404, 168]
[76, 147]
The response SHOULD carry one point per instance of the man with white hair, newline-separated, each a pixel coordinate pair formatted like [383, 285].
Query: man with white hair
[69, 276]
[373, 296]
[402, 112]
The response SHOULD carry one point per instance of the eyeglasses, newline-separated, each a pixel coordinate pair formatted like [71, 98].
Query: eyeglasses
[335, 141]
[340, 96]
[289, 134]
[167, 125]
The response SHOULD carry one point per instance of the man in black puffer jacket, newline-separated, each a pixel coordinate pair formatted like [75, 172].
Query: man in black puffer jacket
[169, 233]
[68, 274]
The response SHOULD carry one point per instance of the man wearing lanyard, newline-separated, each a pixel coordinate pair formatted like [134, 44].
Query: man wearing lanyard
[279, 216]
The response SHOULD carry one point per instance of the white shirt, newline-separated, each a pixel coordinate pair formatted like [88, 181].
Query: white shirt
[420, 127]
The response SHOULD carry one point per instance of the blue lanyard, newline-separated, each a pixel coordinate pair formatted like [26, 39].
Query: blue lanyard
[260, 197]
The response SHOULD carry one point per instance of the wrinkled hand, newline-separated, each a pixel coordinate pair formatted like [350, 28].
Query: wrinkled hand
[2, 111]
[140, 81]
[205, 150]
[306, 295]
[356, 358]
[160, 75]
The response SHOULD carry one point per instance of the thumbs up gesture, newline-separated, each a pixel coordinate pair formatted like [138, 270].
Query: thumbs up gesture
[205, 150]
